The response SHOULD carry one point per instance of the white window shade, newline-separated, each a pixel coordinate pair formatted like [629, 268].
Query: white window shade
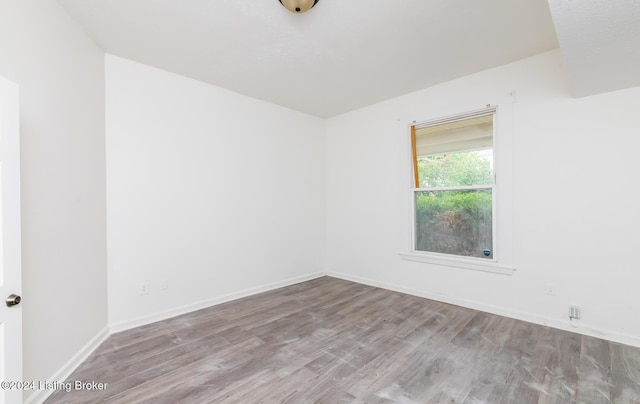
[470, 133]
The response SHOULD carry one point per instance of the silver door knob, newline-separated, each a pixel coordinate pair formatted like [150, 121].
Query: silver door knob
[13, 300]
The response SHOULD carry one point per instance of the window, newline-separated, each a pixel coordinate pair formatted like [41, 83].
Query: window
[454, 185]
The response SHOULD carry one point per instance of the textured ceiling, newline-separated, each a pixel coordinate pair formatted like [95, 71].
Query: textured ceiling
[339, 56]
[600, 42]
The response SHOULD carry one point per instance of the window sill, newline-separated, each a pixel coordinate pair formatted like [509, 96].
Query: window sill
[491, 266]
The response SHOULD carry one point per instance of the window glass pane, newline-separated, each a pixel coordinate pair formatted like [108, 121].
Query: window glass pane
[456, 169]
[455, 222]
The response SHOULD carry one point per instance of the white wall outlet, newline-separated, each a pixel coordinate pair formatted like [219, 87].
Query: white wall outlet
[551, 289]
[144, 288]
[164, 284]
[575, 312]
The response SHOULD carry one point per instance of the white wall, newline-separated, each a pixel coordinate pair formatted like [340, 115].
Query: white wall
[61, 77]
[214, 193]
[576, 215]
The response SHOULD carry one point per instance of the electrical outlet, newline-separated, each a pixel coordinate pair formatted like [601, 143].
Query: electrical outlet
[144, 288]
[164, 285]
[551, 289]
[575, 312]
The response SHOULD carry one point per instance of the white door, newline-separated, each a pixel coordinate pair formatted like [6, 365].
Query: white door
[10, 276]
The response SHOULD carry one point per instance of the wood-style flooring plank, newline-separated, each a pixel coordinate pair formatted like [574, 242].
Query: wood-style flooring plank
[625, 374]
[594, 372]
[333, 341]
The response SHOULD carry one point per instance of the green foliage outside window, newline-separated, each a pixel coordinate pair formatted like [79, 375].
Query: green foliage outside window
[455, 222]
[458, 169]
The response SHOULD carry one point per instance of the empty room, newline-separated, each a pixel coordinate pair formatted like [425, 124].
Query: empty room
[320, 201]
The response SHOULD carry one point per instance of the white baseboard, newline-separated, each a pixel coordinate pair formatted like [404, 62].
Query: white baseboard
[188, 308]
[72, 364]
[501, 311]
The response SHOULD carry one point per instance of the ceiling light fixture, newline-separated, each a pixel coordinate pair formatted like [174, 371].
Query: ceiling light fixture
[298, 6]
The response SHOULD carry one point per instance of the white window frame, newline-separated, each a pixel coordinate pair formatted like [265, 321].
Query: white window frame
[502, 260]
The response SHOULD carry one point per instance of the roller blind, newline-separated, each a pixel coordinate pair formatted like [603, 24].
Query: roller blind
[467, 132]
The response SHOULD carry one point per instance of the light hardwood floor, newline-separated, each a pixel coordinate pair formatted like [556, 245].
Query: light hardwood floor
[333, 341]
